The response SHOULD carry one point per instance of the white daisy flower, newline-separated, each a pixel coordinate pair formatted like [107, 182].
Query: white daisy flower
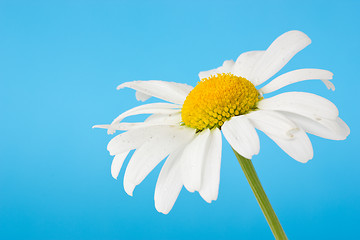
[187, 130]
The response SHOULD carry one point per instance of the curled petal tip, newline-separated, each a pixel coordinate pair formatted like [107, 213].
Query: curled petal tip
[123, 85]
[328, 84]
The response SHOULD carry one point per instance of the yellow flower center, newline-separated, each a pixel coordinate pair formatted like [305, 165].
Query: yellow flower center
[218, 98]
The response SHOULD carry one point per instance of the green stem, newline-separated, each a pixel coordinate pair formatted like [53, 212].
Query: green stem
[261, 197]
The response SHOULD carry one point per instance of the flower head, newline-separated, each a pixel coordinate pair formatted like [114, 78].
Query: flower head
[218, 98]
[188, 129]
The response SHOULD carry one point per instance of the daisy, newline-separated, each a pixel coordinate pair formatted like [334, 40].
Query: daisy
[187, 127]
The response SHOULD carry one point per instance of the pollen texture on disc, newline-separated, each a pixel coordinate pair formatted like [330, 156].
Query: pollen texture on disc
[216, 99]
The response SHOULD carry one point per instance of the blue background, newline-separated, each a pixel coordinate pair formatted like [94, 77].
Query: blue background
[60, 62]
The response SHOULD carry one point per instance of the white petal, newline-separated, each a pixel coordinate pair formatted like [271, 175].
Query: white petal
[278, 54]
[117, 163]
[173, 118]
[168, 91]
[140, 96]
[241, 135]
[211, 168]
[299, 147]
[124, 126]
[273, 123]
[302, 103]
[192, 161]
[325, 128]
[298, 76]
[104, 126]
[145, 158]
[162, 108]
[169, 183]
[165, 118]
[245, 64]
[328, 84]
[154, 120]
[133, 139]
[225, 68]
[290, 138]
